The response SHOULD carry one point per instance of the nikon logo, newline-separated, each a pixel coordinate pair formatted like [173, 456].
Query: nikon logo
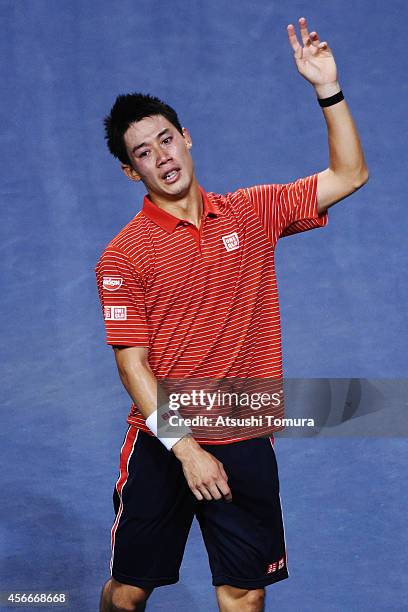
[112, 283]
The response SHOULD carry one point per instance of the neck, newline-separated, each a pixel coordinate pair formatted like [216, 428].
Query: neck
[188, 206]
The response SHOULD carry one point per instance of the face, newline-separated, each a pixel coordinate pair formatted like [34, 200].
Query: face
[160, 157]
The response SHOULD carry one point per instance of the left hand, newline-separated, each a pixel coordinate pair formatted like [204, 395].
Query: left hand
[314, 60]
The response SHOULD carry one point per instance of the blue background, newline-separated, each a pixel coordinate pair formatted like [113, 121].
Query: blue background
[227, 68]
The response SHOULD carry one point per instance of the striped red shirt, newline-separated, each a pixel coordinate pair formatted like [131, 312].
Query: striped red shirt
[204, 301]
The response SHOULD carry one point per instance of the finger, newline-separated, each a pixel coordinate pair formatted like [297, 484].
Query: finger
[225, 490]
[205, 493]
[197, 494]
[215, 492]
[293, 38]
[314, 37]
[223, 486]
[304, 32]
[228, 497]
[323, 45]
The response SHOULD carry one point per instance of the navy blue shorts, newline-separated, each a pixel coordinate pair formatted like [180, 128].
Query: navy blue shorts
[155, 508]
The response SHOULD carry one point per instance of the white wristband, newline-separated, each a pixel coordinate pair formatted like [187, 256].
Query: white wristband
[155, 422]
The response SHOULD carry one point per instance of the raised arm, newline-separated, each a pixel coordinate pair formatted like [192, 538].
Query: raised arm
[347, 169]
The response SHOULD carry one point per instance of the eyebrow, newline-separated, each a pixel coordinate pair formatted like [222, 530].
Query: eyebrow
[144, 144]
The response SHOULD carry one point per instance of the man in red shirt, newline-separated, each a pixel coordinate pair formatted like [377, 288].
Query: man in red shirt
[188, 291]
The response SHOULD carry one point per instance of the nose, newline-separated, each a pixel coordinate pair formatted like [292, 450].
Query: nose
[162, 157]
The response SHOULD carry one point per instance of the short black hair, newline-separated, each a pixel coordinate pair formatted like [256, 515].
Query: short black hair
[127, 109]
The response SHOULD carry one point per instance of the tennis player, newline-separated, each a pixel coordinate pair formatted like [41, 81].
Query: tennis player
[188, 292]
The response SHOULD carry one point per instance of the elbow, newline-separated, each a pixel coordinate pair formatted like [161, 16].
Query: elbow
[361, 179]
[131, 374]
[131, 371]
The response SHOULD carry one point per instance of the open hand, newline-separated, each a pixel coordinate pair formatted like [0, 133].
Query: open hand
[314, 60]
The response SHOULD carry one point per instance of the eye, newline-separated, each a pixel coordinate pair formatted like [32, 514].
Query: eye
[143, 154]
[167, 140]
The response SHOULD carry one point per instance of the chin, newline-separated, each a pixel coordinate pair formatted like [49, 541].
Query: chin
[179, 188]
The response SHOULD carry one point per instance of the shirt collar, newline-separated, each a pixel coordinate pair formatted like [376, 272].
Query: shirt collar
[169, 222]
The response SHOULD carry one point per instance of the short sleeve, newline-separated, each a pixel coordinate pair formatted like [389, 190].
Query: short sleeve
[122, 296]
[287, 208]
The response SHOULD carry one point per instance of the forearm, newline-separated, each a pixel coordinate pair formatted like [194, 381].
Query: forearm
[142, 385]
[346, 156]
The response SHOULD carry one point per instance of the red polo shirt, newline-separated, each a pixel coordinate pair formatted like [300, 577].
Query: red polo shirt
[204, 301]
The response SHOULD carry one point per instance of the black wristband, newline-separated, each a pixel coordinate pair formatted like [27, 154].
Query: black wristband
[338, 97]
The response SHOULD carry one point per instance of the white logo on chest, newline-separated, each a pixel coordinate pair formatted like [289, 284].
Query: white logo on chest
[231, 242]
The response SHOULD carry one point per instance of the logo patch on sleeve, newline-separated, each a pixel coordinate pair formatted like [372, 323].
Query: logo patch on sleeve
[231, 242]
[115, 313]
[112, 283]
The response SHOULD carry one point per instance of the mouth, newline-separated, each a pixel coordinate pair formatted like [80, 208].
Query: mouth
[171, 176]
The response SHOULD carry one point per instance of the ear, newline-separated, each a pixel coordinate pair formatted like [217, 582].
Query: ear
[131, 173]
[187, 138]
